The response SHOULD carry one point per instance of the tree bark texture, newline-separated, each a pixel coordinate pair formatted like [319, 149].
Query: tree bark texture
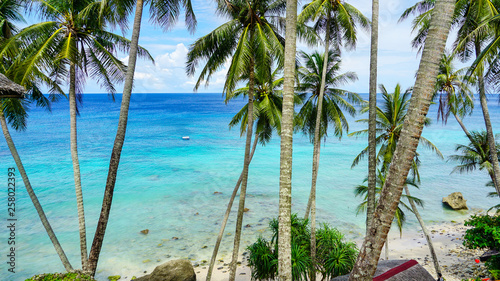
[286, 147]
[76, 166]
[372, 118]
[369, 254]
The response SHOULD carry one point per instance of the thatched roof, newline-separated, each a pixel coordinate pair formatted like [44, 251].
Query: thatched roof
[397, 270]
[9, 89]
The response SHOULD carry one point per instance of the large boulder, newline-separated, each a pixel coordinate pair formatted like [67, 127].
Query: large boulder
[175, 270]
[456, 201]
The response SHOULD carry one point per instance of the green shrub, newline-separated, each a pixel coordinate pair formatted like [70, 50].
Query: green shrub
[485, 233]
[72, 276]
[334, 256]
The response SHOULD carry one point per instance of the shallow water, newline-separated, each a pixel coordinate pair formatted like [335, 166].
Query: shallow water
[166, 184]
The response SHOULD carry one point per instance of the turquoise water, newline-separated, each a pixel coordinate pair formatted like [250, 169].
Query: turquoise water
[166, 184]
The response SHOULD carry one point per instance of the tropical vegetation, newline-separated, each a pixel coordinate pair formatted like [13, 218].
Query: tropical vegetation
[286, 91]
[335, 256]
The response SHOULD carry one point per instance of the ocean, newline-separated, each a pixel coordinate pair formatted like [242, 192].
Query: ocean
[180, 188]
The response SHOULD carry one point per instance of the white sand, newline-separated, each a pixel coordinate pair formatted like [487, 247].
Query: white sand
[456, 261]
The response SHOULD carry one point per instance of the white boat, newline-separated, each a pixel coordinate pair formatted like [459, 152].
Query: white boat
[185, 138]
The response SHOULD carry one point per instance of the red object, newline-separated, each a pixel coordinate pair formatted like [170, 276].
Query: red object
[388, 274]
[477, 260]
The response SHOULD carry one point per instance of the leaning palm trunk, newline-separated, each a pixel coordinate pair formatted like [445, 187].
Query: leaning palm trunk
[286, 146]
[369, 254]
[459, 121]
[489, 128]
[76, 165]
[226, 215]
[118, 145]
[244, 178]
[317, 145]
[424, 229]
[31, 193]
[372, 119]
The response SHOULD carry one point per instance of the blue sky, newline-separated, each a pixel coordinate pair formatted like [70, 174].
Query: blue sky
[397, 63]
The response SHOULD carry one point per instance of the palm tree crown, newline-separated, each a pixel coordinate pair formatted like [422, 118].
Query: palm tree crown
[335, 100]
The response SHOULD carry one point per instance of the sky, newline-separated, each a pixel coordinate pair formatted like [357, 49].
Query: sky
[397, 61]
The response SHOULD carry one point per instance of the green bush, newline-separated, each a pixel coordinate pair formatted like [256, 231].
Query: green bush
[485, 234]
[72, 276]
[334, 256]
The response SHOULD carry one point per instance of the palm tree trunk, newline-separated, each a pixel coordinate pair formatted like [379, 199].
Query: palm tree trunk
[286, 146]
[226, 215]
[118, 145]
[317, 145]
[424, 229]
[76, 165]
[459, 121]
[367, 260]
[487, 123]
[32, 195]
[244, 178]
[372, 118]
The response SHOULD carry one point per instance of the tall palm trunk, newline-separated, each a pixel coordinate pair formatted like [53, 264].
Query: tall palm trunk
[369, 254]
[76, 165]
[226, 215]
[244, 178]
[372, 119]
[424, 229]
[316, 152]
[118, 145]
[286, 146]
[487, 123]
[32, 195]
[462, 125]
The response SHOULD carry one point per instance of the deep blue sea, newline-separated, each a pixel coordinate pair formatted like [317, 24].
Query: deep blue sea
[167, 184]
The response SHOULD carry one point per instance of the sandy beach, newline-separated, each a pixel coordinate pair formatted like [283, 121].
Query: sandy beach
[456, 261]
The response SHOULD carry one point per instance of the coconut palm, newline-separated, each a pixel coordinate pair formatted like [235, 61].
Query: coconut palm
[476, 155]
[250, 38]
[372, 117]
[335, 102]
[455, 95]
[337, 20]
[74, 43]
[285, 193]
[13, 110]
[164, 14]
[411, 132]
[315, 120]
[475, 22]
[268, 106]
[390, 120]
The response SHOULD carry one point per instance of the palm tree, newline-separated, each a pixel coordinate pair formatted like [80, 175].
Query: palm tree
[390, 120]
[314, 120]
[372, 116]
[166, 15]
[335, 101]
[13, 110]
[338, 21]
[285, 192]
[474, 21]
[476, 155]
[268, 106]
[251, 38]
[74, 43]
[440, 23]
[455, 95]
